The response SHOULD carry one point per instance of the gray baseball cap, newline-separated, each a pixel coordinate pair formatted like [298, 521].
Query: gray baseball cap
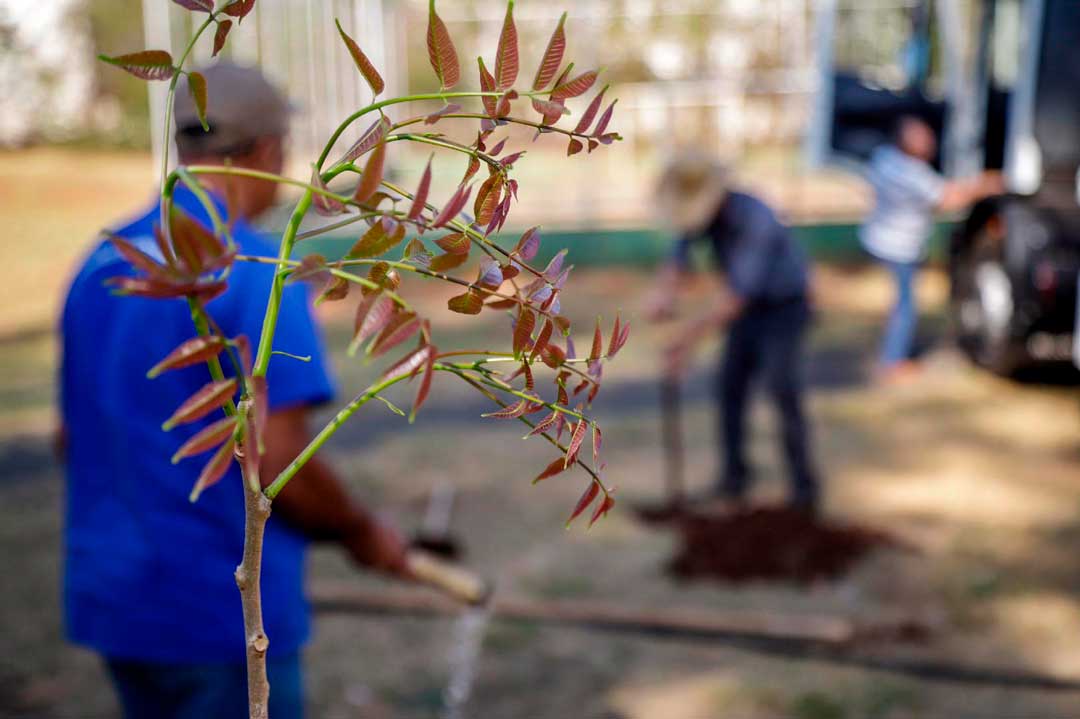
[241, 106]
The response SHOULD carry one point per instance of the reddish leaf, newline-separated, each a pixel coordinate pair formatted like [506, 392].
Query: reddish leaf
[502, 109]
[214, 470]
[220, 34]
[487, 199]
[421, 194]
[586, 499]
[442, 263]
[155, 289]
[312, 266]
[211, 396]
[523, 330]
[239, 8]
[146, 65]
[197, 88]
[618, 338]
[377, 241]
[544, 425]
[384, 277]
[590, 112]
[401, 327]
[453, 206]
[553, 55]
[372, 314]
[194, 351]
[469, 303]
[371, 137]
[425, 383]
[553, 356]
[574, 147]
[487, 84]
[441, 50]
[593, 144]
[597, 343]
[494, 152]
[363, 64]
[210, 436]
[602, 123]
[438, 114]
[140, 260]
[410, 364]
[576, 440]
[373, 174]
[506, 57]
[556, 467]
[474, 166]
[489, 275]
[572, 88]
[550, 109]
[323, 204]
[197, 5]
[529, 244]
[509, 161]
[457, 243]
[503, 304]
[602, 510]
[542, 339]
[597, 441]
[336, 288]
[554, 267]
[513, 411]
[416, 253]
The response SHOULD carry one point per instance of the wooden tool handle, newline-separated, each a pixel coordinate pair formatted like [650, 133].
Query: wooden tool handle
[453, 579]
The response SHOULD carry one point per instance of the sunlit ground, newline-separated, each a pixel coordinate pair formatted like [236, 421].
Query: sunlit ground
[980, 475]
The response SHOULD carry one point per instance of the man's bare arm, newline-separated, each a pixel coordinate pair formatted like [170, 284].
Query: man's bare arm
[316, 502]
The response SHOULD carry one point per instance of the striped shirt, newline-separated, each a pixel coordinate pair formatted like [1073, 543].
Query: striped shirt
[906, 192]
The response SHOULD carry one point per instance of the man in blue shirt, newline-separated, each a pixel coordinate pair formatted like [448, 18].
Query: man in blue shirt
[764, 306]
[148, 580]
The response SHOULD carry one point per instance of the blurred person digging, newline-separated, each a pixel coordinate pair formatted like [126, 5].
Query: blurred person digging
[131, 531]
[764, 307]
[907, 193]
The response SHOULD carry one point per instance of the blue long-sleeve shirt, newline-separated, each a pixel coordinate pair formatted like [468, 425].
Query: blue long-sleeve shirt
[762, 261]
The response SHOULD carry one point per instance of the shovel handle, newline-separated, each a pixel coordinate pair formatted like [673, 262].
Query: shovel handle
[452, 579]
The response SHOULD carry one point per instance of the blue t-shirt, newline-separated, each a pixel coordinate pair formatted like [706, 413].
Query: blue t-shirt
[148, 575]
[762, 261]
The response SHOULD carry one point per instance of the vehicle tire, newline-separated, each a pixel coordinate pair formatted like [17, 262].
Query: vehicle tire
[983, 302]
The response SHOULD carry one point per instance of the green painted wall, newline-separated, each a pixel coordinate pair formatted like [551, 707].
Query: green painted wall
[645, 247]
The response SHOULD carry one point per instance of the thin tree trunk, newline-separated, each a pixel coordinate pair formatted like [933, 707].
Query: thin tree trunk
[248, 576]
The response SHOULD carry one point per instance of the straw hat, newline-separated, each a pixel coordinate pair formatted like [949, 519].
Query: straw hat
[690, 191]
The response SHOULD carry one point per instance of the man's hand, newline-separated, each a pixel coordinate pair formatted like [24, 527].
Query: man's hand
[660, 302]
[379, 546]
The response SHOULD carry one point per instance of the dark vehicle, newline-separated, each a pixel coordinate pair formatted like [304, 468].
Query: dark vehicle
[1014, 261]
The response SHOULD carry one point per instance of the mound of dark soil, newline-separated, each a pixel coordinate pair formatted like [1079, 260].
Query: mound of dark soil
[769, 543]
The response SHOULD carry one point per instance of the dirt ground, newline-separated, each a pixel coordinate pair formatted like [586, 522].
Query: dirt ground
[979, 475]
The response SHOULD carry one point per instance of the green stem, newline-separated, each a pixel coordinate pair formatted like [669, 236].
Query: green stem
[273, 304]
[168, 115]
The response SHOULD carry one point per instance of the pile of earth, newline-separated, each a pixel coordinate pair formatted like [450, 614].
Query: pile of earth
[768, 544]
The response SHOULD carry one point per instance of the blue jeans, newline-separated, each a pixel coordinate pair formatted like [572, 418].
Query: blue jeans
[153, 690]
[896, 346]
[767, 343]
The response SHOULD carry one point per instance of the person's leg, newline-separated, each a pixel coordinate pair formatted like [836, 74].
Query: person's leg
[900, 330]
[152, 690]
[783, 368]
[732, 388]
